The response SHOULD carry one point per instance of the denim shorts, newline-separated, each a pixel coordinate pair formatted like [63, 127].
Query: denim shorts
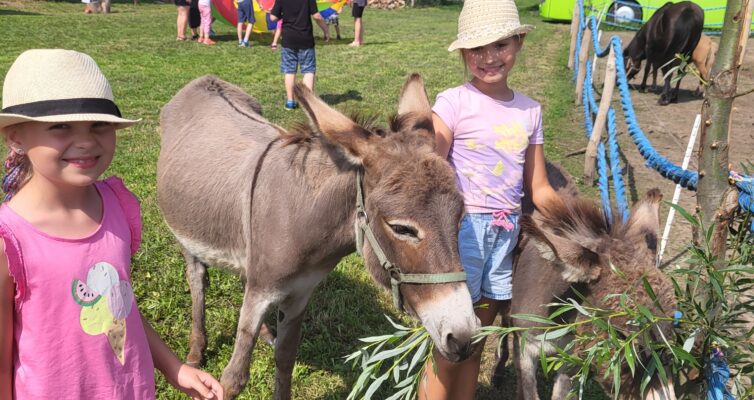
[486, 254]
[245, 12]
[290, 59]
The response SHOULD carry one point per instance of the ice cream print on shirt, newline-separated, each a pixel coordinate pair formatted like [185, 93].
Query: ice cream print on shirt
[105, 302]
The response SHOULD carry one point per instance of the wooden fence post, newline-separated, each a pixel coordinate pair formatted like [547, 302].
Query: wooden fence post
[583, 56]
[599, 122]
[575, 20]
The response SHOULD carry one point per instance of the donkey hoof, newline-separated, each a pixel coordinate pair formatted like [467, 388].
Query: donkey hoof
[194, 360]
[230, 389]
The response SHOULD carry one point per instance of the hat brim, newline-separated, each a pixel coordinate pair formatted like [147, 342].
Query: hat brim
[12, 119]
[485, 40]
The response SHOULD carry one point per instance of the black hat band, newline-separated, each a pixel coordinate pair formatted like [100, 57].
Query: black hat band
[64, 106]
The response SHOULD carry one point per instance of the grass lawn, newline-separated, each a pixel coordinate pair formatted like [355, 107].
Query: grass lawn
[136, 49]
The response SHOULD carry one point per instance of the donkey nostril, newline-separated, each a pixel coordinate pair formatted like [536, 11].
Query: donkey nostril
[459, 348]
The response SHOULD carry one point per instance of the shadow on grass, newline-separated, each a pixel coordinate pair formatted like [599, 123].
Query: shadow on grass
[333, 98]
[17, 12]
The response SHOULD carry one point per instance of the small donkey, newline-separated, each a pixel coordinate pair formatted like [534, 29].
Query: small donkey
[279, 208]
[572, 246]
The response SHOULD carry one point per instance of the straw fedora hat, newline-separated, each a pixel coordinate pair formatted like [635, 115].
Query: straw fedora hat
[55, 85]
[484, 21]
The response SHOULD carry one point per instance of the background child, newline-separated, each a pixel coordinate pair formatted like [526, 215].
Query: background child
[492, 137]
[205, 9]
[298, 43]
[357, 11]
[245, 14]
[69, 324]
[276, 36]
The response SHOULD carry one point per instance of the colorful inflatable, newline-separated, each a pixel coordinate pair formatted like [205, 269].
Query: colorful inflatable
[227, 10]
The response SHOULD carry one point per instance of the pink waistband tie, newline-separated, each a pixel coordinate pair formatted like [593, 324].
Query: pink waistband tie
[501, 220]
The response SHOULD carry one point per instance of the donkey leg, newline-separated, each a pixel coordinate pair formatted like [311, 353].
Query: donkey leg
[290, 317]
[561, 386]
[526, 369]
[198, 280]
[236, 373]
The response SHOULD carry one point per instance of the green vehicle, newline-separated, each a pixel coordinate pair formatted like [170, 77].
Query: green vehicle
[626, 12]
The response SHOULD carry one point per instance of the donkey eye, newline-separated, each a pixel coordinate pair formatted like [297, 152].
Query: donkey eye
[403, 230]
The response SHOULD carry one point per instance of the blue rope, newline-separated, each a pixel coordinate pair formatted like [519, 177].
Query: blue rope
[590, 107]
[615, 167]
[604, 186]
[685, 178]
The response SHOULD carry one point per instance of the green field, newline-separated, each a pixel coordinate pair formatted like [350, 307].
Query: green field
[135, 47]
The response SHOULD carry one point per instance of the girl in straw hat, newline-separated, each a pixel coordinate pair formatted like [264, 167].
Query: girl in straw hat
[69, 324]
[492, 137]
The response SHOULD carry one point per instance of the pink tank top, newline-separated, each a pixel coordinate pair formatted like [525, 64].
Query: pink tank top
[77, 331]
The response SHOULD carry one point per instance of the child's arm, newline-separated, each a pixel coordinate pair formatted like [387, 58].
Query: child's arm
[443, 136]
[195, 383]
[6, 326]
[275, 12]
[535, 179]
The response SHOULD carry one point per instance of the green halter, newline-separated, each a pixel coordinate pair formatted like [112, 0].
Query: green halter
[396, 276]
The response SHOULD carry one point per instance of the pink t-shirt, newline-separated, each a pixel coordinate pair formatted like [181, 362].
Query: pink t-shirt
[490, 138]
[77, 332]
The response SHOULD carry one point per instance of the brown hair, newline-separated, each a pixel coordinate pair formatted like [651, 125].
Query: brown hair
[17, 172]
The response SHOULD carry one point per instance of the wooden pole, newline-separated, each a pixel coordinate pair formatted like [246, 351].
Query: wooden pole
[599, 122]
[583, 56]
[575, 20]
[715, 197]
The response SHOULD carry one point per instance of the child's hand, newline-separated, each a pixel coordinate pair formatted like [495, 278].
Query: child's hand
[198, 384]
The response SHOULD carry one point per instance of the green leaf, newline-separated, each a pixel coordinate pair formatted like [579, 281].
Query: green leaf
[375, 385]
[628, 350]
[384, 355]
[645, 312]
[419, 354]
[685, 214]
[616, 270]
[375, 339]
[397, 395]
[648, 374]
[553, 334]
[396, 374]
[397, 325]
[688, 344]
[359, 385]
[579, 308]
[533, 318]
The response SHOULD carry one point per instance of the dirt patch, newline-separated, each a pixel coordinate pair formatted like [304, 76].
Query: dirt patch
[668, 128]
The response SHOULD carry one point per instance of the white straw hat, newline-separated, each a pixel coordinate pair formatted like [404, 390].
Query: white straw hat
[484, 21]
[55, 85]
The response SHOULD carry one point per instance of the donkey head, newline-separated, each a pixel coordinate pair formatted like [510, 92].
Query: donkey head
[575, 237]
[634, 54]
[413, 207]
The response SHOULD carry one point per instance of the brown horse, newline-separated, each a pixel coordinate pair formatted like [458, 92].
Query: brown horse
[279, 208]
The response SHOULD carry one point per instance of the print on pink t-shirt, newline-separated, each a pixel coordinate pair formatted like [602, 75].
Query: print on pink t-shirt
[490, 138]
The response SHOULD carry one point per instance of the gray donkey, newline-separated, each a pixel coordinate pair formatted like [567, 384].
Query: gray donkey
[279, 208]
[572, 246]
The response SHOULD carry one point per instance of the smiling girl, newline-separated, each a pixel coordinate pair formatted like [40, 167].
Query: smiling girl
[492, 137]
[69, 324]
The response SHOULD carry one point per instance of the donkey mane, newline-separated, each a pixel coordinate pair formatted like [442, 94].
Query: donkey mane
[577, 215]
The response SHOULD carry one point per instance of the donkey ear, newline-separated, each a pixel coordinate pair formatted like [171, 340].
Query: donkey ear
[578, 257]
[414, 109]
[414, 97]
[333, 125]
[644, 225]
